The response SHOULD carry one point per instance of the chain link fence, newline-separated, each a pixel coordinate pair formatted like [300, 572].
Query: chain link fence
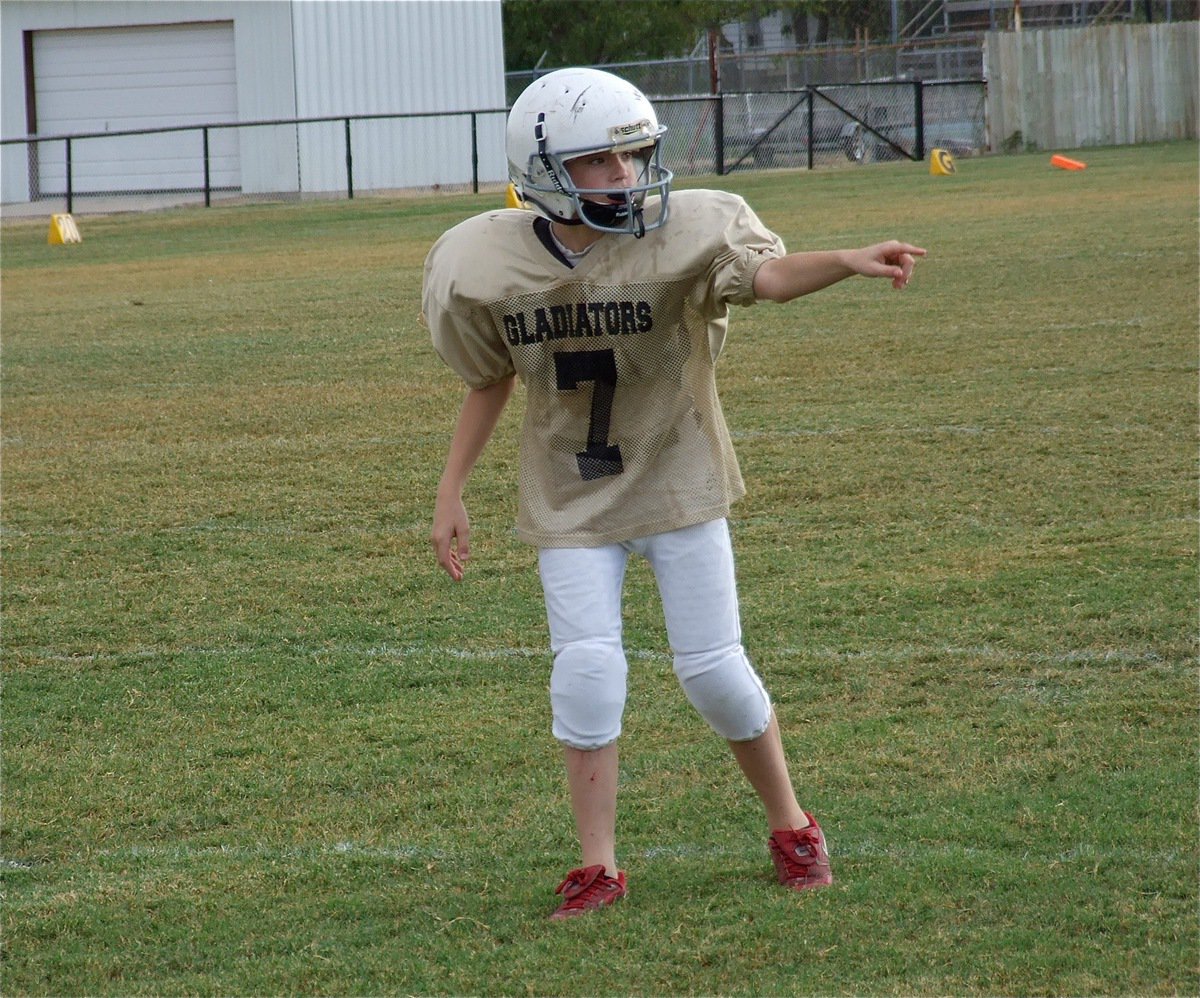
[818, 65]
[855, 123]
[419, 154]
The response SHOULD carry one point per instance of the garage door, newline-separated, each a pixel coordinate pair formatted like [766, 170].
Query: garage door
[118, 79]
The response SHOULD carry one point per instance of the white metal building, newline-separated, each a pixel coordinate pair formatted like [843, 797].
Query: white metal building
[68, 67]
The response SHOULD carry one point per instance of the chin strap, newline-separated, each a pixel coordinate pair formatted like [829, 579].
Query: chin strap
[539, 133]
[607, 216]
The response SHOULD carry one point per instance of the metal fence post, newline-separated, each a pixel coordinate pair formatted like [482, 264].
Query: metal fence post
[919, 117]
[207, 175]
[474, 153]
[811, 135]
[349, 165]
[70, 185]
[719, 134]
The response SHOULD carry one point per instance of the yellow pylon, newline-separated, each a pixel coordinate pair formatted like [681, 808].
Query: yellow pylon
[63, 230]
[512, 199]
[941, 163]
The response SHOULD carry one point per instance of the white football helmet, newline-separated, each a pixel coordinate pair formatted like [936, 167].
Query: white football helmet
[571, 112]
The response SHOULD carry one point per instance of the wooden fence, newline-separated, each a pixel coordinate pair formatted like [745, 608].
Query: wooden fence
[1114, 85]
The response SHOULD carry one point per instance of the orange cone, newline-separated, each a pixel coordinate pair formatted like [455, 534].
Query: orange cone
[1067, 164]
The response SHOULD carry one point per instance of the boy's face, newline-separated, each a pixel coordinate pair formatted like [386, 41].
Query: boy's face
[605, 171]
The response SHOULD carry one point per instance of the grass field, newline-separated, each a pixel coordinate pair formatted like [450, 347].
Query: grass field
[255, 743]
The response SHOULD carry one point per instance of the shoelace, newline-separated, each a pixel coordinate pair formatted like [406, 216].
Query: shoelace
[583, 885]
[801, 853]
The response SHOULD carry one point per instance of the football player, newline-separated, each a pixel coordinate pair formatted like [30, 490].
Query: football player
[609, 301]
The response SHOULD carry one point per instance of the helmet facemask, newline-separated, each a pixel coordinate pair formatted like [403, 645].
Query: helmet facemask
[575, 113]
[605, 209]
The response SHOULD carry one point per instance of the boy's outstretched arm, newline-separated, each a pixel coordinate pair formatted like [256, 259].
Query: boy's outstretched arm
[796, 274]
[451, 536]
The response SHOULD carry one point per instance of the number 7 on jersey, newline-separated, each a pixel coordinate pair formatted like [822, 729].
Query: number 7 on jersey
[599, 458]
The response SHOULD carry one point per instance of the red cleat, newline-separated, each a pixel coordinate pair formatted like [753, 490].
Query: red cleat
[587, 889]
[801, 857]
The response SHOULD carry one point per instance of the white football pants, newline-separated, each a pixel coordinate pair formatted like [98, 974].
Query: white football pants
[694, 570]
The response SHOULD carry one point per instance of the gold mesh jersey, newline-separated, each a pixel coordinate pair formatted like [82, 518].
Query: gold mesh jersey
[623, 433]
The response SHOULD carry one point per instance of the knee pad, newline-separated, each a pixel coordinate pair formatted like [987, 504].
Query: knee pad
[723, 686]
[587, 693]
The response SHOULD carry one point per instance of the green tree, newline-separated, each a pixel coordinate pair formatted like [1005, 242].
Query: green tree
[556, 33]
[836, 18]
